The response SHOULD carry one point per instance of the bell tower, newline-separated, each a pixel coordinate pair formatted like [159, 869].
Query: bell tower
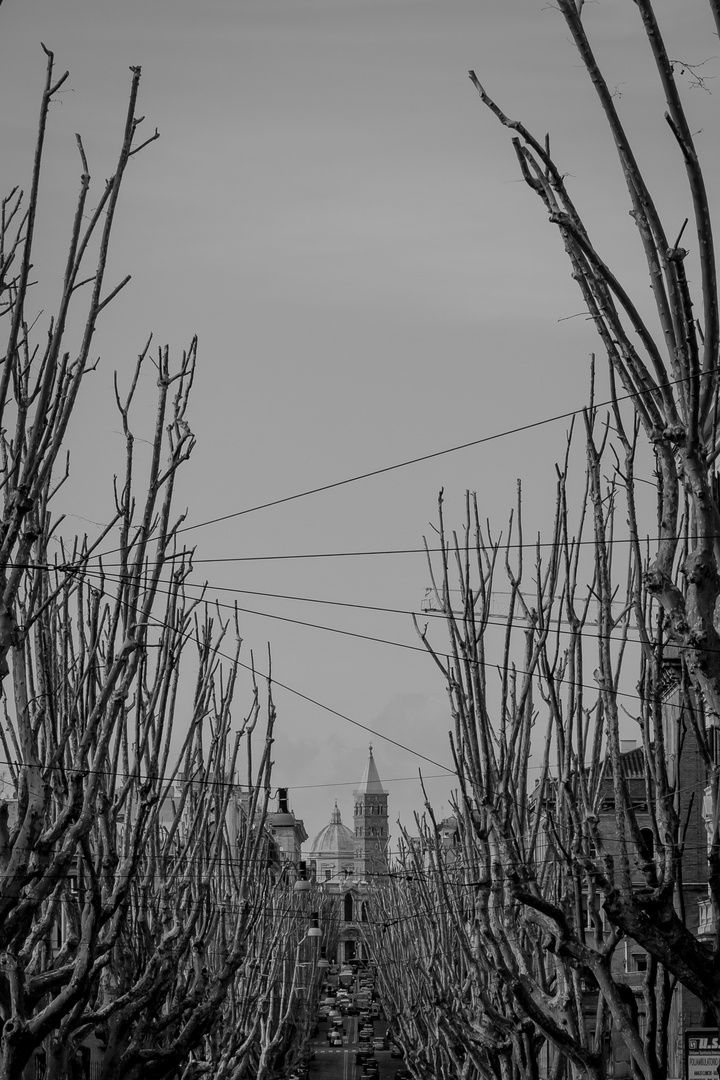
[371, 824]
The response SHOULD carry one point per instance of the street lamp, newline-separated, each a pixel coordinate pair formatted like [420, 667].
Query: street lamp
[301, 883]
[314, 930]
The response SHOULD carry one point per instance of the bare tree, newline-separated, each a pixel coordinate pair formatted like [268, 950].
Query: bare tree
[115, 853]
[666, 366]
[200, 885]
[451, 1014]
[603, 856]
[522, 901]
[273, 1005]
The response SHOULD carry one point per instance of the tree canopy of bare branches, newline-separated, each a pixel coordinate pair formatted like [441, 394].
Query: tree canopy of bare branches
[135, 869]
[611, 628]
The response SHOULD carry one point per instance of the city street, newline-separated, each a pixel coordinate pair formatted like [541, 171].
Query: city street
[338, 1063]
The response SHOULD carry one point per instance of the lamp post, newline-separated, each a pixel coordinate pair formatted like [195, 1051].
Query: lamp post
[301, 882]
[314, 930]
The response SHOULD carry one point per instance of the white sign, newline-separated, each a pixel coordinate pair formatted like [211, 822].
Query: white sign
[702, 1054]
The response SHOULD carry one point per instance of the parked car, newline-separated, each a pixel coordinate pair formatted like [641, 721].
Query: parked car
[379, 1043]
[362, 1054]
[372, 1066]
[335, 1038]
[395, 1051]
[403, 1074]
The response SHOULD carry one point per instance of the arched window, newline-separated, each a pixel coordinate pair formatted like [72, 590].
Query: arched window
[348, 908]
[647, 835]
[363, 913]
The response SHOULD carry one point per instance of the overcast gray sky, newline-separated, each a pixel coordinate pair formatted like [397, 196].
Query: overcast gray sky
[335, 215]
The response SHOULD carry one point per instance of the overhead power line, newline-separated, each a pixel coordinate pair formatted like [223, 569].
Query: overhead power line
[384, 469]
[527, 545]
[494, 619]
[364, 727]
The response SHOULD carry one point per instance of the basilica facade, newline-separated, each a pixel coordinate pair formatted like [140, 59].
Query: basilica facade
[347, 861]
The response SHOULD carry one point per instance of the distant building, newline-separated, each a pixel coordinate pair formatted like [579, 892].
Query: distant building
[287, 830]
[333, 851]
[371, 823]
[346, 861]
[688, 773]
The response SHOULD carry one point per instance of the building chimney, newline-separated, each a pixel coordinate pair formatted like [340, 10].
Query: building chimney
[283, 800]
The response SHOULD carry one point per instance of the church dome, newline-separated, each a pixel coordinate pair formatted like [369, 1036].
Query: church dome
[335, 840]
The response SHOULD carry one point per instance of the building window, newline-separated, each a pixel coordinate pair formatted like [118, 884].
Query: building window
[640, 961]
[348, 908]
